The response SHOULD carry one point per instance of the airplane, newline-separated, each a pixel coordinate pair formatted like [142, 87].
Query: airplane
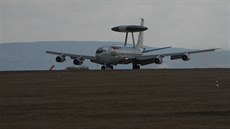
[108, 56]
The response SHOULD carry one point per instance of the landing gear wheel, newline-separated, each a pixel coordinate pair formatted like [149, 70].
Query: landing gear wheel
[109, 67]
[136, 66]
[103, 67]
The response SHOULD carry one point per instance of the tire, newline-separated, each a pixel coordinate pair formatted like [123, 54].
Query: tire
[103, 67]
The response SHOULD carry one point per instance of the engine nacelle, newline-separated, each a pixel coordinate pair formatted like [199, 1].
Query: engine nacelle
[158, 60]
[77, 61]
[60, 59]
[186, 57]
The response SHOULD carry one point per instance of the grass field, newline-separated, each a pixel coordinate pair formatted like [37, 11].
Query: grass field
[142, 99]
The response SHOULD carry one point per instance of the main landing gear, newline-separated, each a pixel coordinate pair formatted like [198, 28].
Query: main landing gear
[136, 66]
[105, 67]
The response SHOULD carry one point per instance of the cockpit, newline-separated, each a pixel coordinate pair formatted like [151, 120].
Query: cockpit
[100, 50]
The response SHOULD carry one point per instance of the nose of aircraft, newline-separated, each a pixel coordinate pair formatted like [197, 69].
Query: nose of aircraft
[99, 50]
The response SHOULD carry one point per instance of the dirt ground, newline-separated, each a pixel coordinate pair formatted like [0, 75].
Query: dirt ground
[141, 99]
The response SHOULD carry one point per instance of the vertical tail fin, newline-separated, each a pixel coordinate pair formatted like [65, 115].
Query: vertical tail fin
[139, 44]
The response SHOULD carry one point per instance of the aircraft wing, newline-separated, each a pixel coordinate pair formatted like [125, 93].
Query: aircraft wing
[157, 58]
[72, 56]
[156, 49]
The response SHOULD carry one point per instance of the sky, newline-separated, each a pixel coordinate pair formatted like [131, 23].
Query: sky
[195, 24]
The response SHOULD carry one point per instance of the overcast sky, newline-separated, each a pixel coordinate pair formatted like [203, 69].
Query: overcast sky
[195, 24]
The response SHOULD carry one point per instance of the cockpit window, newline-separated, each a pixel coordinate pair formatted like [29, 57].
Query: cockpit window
[100, 50]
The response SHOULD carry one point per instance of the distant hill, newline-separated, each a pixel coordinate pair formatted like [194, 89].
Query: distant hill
[32, 56]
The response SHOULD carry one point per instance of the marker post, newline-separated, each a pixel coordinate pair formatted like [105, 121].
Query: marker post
[217, 83]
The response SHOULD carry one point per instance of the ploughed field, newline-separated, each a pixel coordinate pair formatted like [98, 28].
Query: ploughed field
[140, 99]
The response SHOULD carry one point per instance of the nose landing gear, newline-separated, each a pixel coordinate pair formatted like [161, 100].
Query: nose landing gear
[110, 67]
[136, 66]
[107, 67]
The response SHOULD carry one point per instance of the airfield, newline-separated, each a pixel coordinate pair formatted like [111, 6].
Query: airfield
[119, 99]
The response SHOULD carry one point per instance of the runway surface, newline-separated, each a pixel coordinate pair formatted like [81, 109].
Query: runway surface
[142, 99]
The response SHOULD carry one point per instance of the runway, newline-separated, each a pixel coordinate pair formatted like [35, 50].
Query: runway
[126, 99]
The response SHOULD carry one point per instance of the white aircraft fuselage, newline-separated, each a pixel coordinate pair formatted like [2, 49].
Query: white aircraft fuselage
[113, 55]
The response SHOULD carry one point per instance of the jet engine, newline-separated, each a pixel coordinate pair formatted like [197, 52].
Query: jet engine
[158, 60]
[186, 57]
[60, 59]
[77, 61]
